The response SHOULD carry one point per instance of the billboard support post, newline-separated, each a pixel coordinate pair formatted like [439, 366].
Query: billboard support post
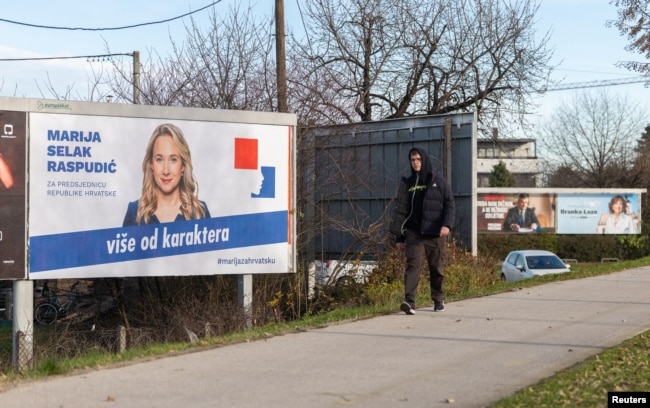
[23, 324]
[447, 146]
[245, 297]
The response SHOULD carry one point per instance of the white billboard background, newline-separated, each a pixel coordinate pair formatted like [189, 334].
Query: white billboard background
[586, 213]
[79, 201]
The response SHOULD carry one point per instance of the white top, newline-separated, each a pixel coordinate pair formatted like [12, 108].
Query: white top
[624, 225]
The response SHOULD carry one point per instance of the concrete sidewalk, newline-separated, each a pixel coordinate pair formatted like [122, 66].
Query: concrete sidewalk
[476, 352]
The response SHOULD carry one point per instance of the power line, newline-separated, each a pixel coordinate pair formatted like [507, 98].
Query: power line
[109, 28]
[304, 26]
[71, 57]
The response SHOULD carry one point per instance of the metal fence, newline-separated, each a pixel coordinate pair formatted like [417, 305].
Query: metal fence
[350, 176]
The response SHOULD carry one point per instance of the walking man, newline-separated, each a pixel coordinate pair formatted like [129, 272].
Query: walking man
[423, 217]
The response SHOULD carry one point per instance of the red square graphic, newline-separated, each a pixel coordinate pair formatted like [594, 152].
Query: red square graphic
[245, 153]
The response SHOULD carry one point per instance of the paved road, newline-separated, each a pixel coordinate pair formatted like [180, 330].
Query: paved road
[476, 352]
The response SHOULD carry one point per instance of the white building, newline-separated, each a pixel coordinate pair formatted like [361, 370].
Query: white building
[519, 156]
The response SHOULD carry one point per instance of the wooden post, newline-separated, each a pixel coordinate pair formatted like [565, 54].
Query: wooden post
[136, 77]
[447, 150]
[281, 68]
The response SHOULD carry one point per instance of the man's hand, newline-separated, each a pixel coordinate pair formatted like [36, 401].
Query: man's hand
[444, 231]
[400, 246]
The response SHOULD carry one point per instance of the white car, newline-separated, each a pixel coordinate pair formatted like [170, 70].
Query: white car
[530, 263]
[339, 273]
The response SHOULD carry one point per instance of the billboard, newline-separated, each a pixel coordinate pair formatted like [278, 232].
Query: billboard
[561, 211]
[107, 198]
[13, 147]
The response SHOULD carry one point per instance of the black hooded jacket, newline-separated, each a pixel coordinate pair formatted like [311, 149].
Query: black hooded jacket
[425, 202]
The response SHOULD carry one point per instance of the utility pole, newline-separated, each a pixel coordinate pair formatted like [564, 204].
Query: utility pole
[136, 77]
[281, 68]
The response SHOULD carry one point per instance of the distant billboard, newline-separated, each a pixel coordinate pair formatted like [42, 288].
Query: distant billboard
[90, 177]
[561, 211]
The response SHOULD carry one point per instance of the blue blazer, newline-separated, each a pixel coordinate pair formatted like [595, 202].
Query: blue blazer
[132, 212]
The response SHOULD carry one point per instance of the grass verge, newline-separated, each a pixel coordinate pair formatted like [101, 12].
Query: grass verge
[623, 368]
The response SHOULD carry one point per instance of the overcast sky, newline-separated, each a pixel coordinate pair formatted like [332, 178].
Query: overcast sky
[585, 49]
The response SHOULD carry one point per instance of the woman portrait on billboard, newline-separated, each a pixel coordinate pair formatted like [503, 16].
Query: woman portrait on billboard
[619, 220]
[169, 189]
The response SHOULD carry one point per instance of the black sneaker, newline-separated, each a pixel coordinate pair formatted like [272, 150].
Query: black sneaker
[407, 308]
[438, 306]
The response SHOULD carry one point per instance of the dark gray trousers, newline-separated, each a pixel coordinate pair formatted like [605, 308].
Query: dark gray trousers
[417, 248]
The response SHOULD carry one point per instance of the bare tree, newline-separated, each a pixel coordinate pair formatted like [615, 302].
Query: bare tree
[226, 66]
[397, 58]
[642, 163]
[96, 89]
[634, 22]
[160, 83]
[592, 137]
[359, 60]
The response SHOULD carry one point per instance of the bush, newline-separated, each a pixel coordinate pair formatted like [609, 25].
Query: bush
[584, 248]
[466, 273]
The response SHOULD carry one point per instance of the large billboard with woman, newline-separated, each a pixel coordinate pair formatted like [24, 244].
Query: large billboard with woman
[126, 190]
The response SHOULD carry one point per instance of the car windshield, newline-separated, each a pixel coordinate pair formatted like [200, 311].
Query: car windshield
[544, 262]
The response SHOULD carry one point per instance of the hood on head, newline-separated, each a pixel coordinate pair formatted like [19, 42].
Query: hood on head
[426, 162]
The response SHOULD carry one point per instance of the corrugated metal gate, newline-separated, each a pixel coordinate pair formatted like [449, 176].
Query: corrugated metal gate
[350, 176]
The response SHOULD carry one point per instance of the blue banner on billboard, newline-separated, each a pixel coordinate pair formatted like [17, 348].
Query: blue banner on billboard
[79, 249]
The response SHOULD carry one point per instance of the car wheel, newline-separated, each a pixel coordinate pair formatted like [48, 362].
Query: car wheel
[503, 277]
[345, 281]
[347, 288]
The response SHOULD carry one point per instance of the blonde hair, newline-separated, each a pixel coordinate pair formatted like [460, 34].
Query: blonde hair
[188, 187]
